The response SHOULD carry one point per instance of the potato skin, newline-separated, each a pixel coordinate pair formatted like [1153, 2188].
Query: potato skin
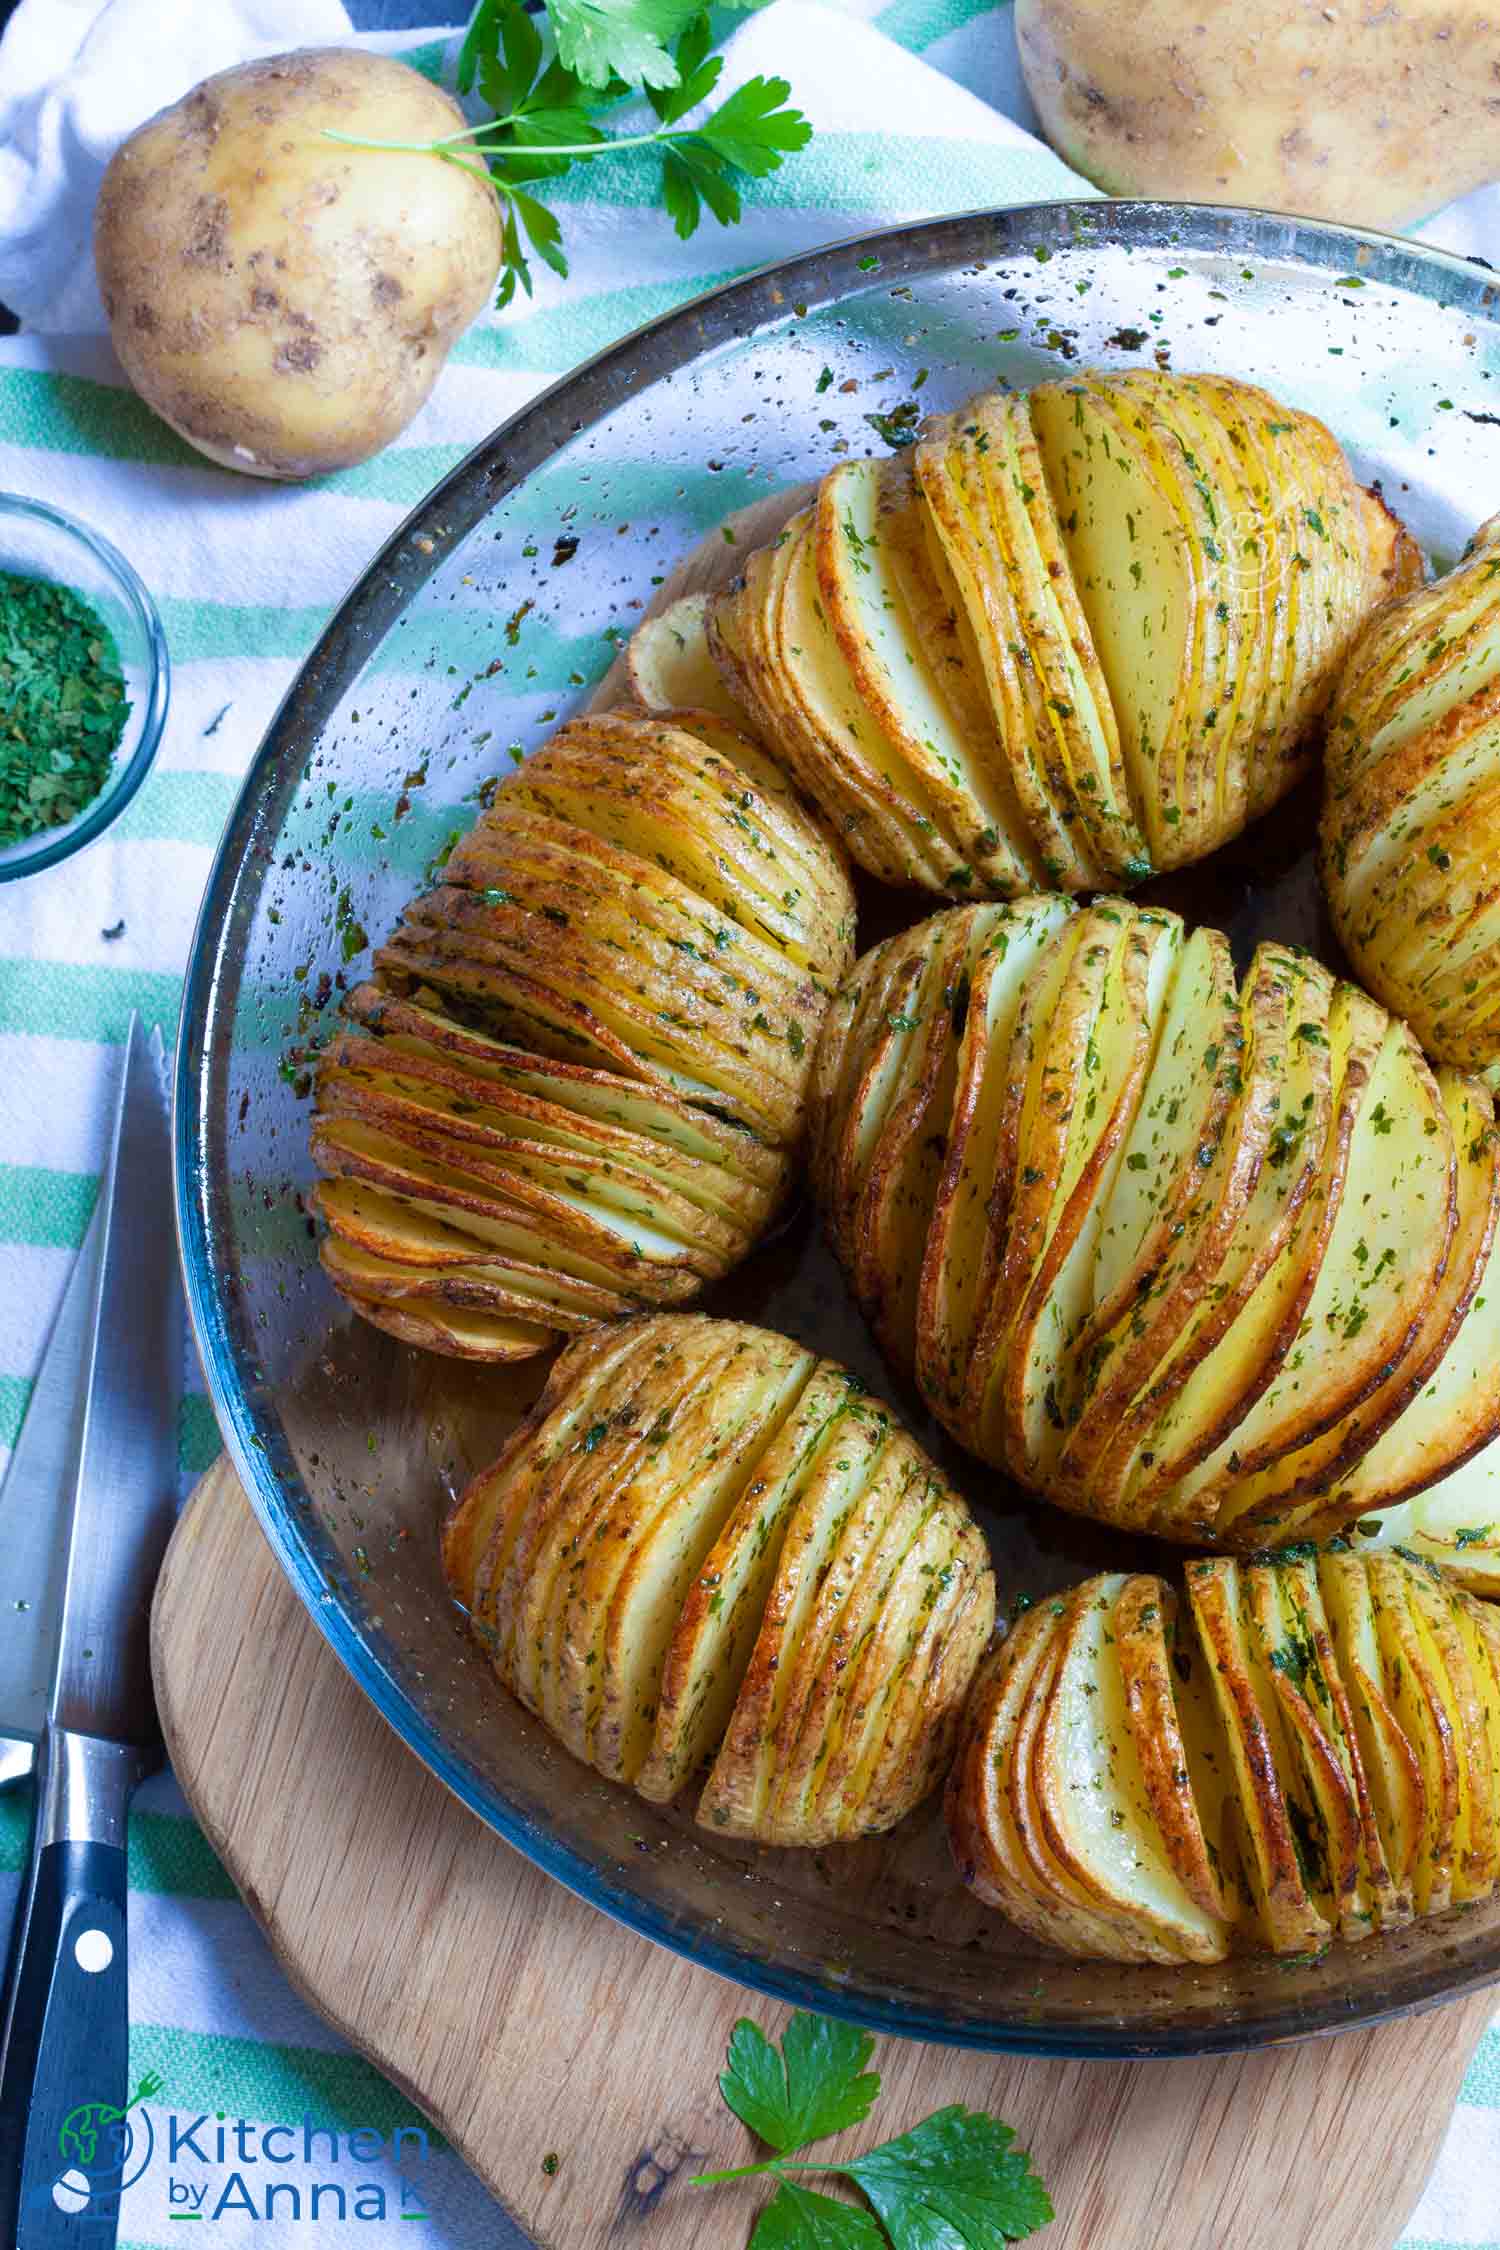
[1376, 116]
[707, 1547]
[1300, 1749]
[284, 302]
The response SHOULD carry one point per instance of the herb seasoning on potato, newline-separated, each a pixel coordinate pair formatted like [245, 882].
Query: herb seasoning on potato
[1306, 1747]
[1207, 1256]
[1071, 639]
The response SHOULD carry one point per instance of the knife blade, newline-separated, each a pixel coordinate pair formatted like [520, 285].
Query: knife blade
[66, 2138]
[36, 1503]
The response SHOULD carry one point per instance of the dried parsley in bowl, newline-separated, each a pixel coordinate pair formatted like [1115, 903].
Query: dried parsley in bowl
[63, 705]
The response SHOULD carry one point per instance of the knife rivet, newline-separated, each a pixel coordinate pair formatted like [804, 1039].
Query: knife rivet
[93, 1951]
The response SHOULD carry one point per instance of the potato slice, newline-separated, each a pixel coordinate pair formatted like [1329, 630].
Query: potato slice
[1455, 1522]
[922, 1697]
[742, 1777]
[1043, 1088]
[949, 464]
[1175, 1786]
[888, 1227]
[1212, 1373]
[1011, 942]
[843, 728]
[1465, 1689]
[1139, 579]
[480, 1529]
[1093, 1797]
[884, 1035]
[716, 815]
[982, 1832]
[892, 1516]
[650, 1112]
[1053, 689]
[1082, 1919]
[670, 667]
[1280, 1624]
[1216, 421]
[1143, 409]
[1036, 1396]
[1392, 1768]
[1382, 1220]
[1272, 1809]
[870, 548]
[1127, 1372]
[550, 1553]
[1295, 1488]
[647, 1556]
[1183, 1114]
[716, 1628]
[1414, 1689]
[1062, 646]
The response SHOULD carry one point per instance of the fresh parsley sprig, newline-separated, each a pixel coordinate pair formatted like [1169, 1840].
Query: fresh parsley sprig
[545, 109]
[954, 2182]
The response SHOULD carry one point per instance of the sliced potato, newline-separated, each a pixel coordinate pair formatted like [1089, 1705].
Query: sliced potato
[1075, 636]
[1412, 804]
[972, 1193]
[1280, 1857]
[1184, 1796]
[1414, 1687]
[670, 666]
[1206, 1262]
[1099, 1809]
[584, 1059]
[706, 1544]
[876, 584]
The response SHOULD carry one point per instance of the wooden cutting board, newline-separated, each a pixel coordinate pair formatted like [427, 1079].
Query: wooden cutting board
[523, 2022]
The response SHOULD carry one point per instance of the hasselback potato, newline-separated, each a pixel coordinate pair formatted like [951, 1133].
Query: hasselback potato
[707, 1544]
[1305, 1747]
[1411, 816]
[1203, 1256]
[1069, 639]
[575, 1083]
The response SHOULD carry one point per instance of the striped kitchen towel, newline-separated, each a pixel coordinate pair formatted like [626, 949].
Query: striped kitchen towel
[919, 110]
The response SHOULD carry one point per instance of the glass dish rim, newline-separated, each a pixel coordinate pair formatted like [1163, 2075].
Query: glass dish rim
[395, 573]
[117, 793]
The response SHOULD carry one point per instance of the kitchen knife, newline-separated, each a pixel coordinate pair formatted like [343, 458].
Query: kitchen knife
[75, 1676]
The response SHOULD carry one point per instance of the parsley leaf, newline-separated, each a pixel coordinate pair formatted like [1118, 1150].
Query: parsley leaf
[544, 112]
[954, 2182]
[953, 2179]
[817, 2085]
[604, 39]
[798, 2218]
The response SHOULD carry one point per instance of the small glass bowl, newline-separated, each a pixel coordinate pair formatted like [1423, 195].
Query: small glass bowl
[39, 541]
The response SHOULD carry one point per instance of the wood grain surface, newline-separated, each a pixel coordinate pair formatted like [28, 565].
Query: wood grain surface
[525, 2023]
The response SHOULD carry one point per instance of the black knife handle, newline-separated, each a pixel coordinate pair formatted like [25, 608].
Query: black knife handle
[70, 2139]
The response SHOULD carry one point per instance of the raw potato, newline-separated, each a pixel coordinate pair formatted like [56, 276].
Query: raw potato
[706, 1546]
[1306, 1747]
[575, 1085]
[1377, 118]
[284, 302]
[1411, 815]
[1070, 639]
[1204, 1257]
